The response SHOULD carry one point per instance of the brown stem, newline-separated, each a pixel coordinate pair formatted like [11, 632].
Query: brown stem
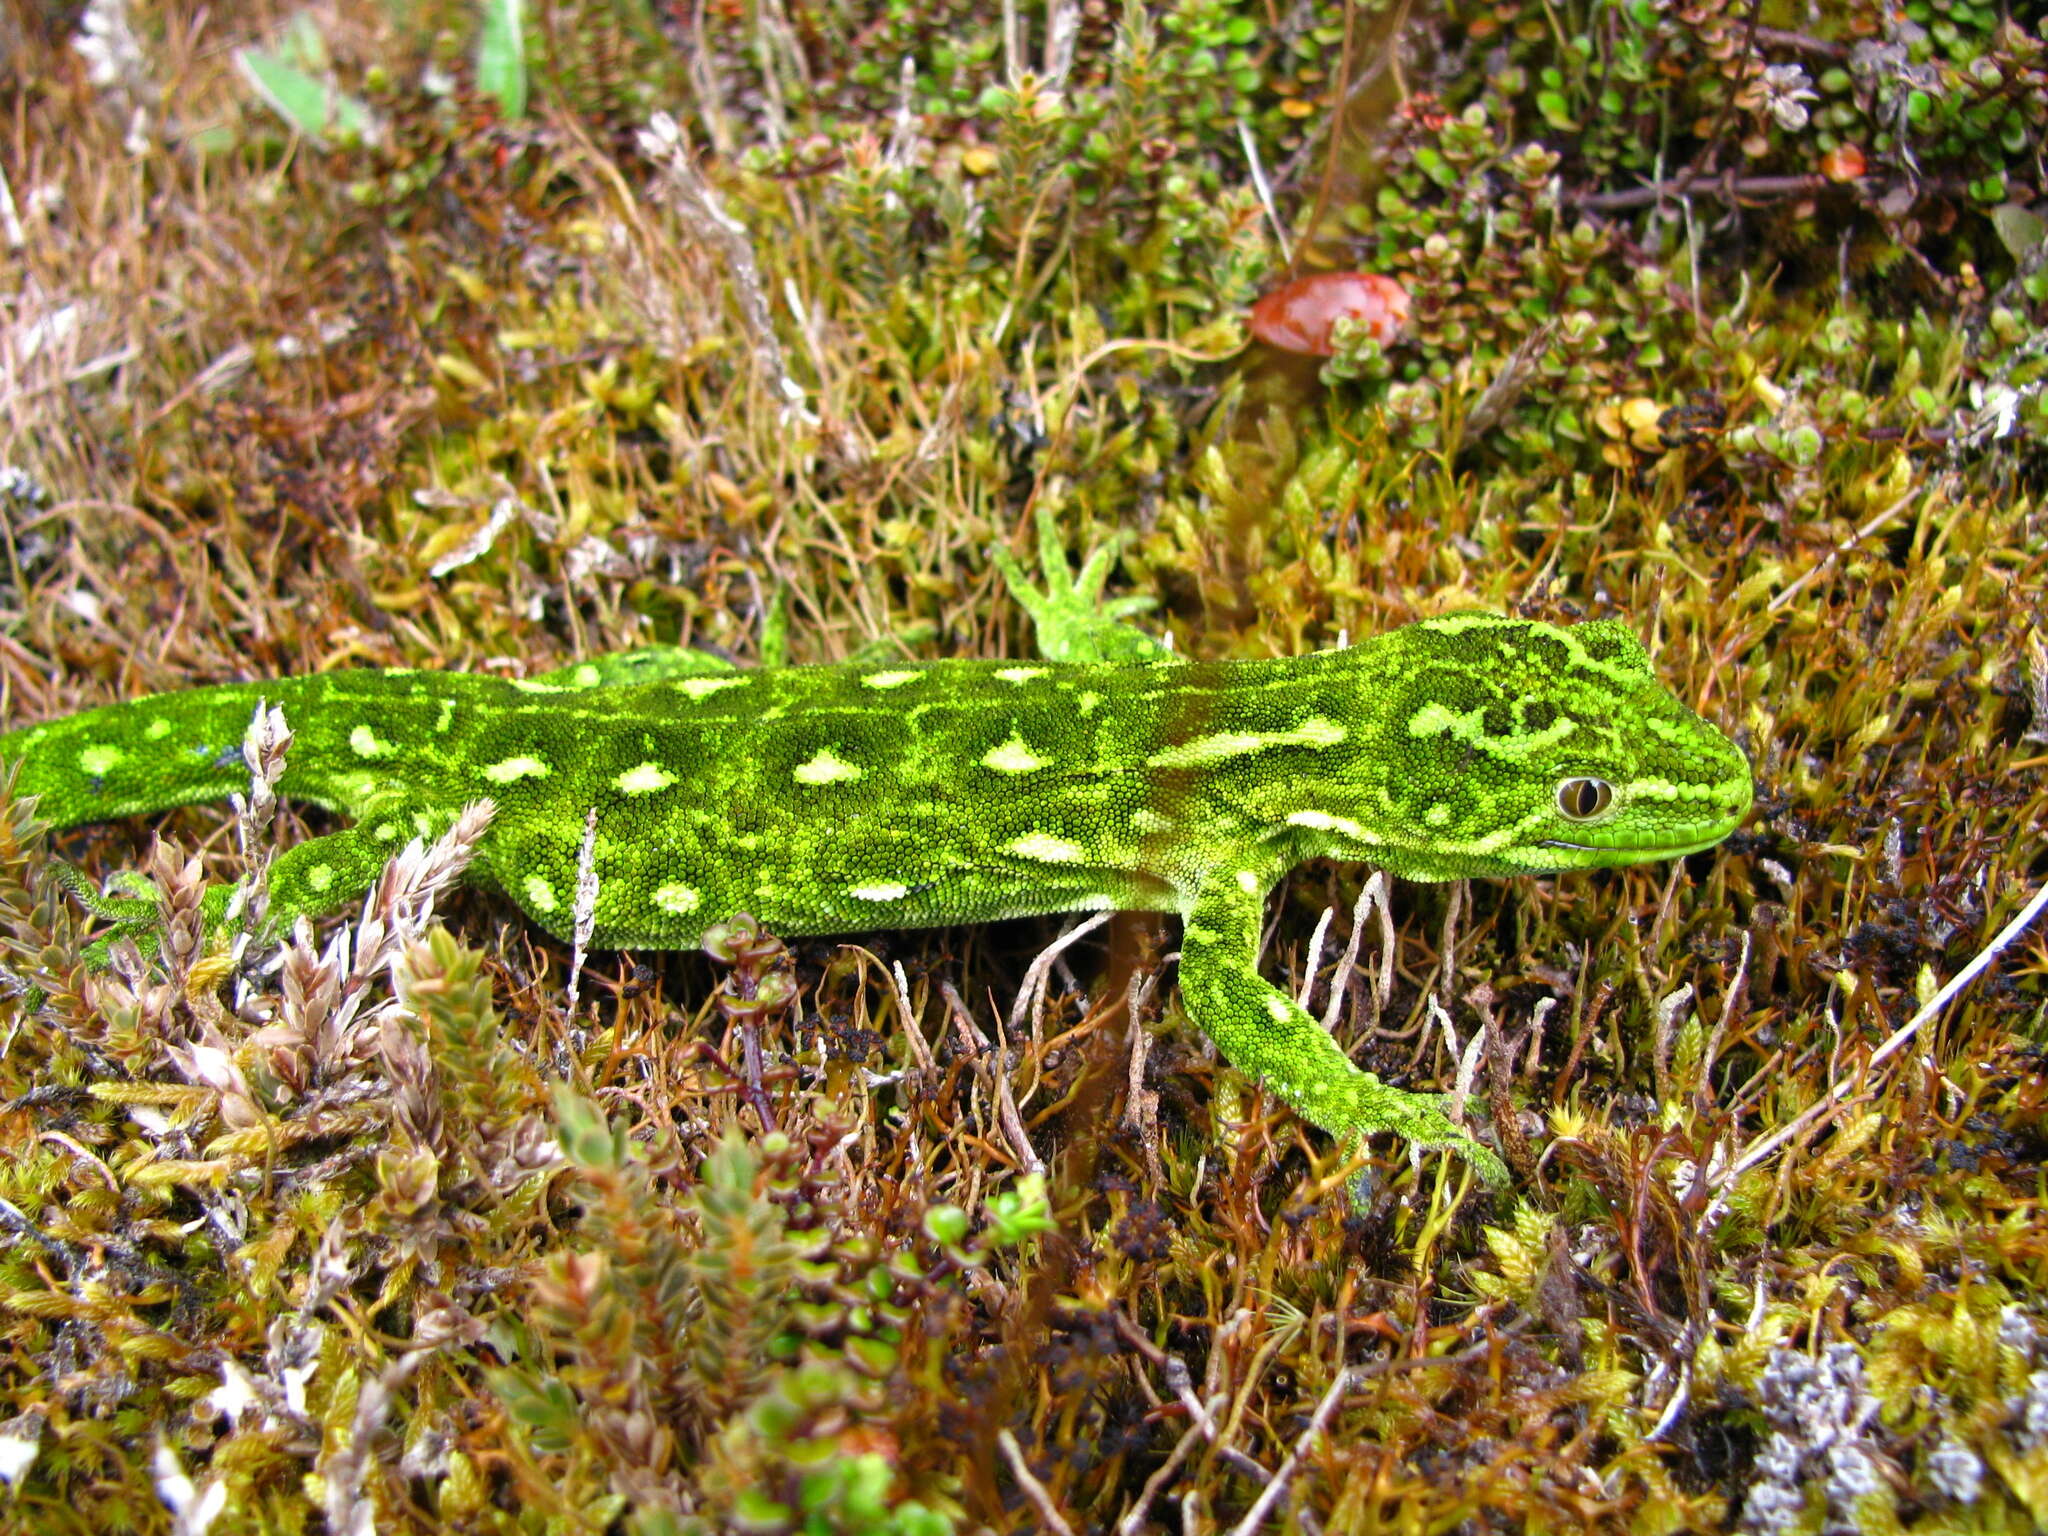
[1693, 172]
[1728, 189]
[1305, 235]
[1799, 42]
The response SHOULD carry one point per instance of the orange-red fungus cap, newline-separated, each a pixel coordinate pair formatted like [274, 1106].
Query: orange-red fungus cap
[1298, 316]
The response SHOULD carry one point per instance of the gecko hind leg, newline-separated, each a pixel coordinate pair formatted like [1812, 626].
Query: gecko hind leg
[328, 873]
[309, 879]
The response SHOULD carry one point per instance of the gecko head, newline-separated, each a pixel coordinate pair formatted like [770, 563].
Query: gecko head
[1510, 746]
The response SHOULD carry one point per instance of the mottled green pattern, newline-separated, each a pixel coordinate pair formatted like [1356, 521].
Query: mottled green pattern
[836, 799]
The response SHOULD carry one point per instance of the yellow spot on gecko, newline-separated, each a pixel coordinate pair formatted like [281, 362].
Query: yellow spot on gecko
[515, 768]
[826, 767]
[100, 760]
[364, 743]
[1013, 756]
[1437, 814]
[645, 779]
[1323, 821]
[889, 679]
[1278, 1009]
[679, 899]
[1044, 848]
[319, 878]
[539, 894]
[158, 729]
[1315, 731]
[887, 891]
[704, 687]
[1249, 882]
[1019, 675]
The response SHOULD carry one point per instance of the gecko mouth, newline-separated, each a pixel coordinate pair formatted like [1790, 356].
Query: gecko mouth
[1706, 837]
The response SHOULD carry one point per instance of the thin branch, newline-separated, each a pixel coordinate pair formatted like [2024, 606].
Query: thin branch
[1729, 189]
[1882, 520]
[1698, 167]
[1031, 995]
[1799, 42]
[1270, 1495]
[1034, 1490]
[1265, 191]
[1133, 1522]
[1839, 1090]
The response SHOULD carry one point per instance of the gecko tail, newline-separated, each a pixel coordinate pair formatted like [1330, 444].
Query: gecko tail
[146, 755]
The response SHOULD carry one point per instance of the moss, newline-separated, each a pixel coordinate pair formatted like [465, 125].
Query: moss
[1727, 328]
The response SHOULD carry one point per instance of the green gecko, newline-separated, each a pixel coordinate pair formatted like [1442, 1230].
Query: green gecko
[835, 799]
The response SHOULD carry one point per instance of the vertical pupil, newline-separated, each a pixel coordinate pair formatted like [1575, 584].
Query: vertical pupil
[1583, 799]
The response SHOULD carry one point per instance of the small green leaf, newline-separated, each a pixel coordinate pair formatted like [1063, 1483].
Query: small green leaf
[314, 105]
[1016, 1214]
[542, 1405]
[1556, 111]
[501, 57]
[587, 1139]
[753, 1510]
[2023, 230]
[302, 46]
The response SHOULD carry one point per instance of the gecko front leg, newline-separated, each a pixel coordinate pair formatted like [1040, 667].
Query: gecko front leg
[1073, 621]
[1265, 1033]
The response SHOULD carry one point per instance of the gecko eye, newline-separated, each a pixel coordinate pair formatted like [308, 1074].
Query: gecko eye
[1584, 799]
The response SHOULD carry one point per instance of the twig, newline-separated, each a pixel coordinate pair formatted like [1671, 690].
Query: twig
[1453, 906]
[12, 1216]
[971, 1038]
[1738, 991]
[1034, 1490]
[1270, 1495]
[1032, 993]
[1012, 1123]
[585, 912]
[1799, 42]
[1670, 1009]
[1315, 958]
[1374, 890]
[1839, 1090]
[1134, 1520]
[1582, 1031]
[1876, 524]
[920, 1052]
[1062, 31]
[1141, 1104]
[1728, 189]
[1693, 171]
[662, 142]
[10, 221]
[1259, 184]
